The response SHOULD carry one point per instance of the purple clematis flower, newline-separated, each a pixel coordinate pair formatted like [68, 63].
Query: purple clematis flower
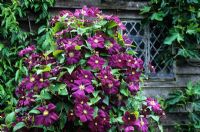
[155, 106]
[42, 82]
[105, 74]
[112, 46]
[48, 116]
[129, 129]
[105, 119]
[141, 124]
[117, 61]
[128, 118]
[71, 116]
[73, 56]
[69, 79]
[26, 100]
[81, 100]
[27, 50]
[96, 41]
[111, 86]
[133, 87]
[80, 87]
[84, 74]
[96, 62]
[30, 82]
[84, 112]
[96, 125]
[126, 39]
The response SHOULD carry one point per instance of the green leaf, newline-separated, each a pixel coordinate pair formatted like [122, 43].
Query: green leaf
[34, 111]
[57, 52]
[155, 118]
[45, 95]
[106, 100]
[18, 126]
[145, 9]
[46, 69]
[95, 93]
[111, 24]
[58, 26]
[94, 100]
[173, 36]
[77, 47]
[17, 75]
[63, 121]
[158, 16]
[71, 68]
[175, 98]
[124, 89]
[10, 118]
[62, 89]
[1, 46]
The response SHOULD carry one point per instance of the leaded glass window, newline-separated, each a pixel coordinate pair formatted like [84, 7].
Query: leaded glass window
[148, 41]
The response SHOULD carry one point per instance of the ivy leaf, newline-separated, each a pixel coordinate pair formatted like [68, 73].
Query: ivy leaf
[1, 46]
[10, 118]
[146, 9]
[158, 16]
[173, 36]
[18, 126]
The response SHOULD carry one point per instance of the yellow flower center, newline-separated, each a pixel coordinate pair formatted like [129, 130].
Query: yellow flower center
[81, 87]
[82, 102]
[142, 123]
[41, 79]
[95, 124]
[133, 72]
[152, 102]
[71, 114]
[96, 40]
[129, 60]
[105, 77]
[110, 85]
[86, 76]
[83, 12]
[71, 54]
[85, 112]
[119, 60]
[32, 79]
[96, 61]
[69, 42]
[45, 113]
[129, 118]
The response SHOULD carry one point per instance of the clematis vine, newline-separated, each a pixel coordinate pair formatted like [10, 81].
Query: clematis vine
[85, 80]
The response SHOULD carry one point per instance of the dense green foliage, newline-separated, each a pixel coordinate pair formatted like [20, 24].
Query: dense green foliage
[182, 17]
[13, 38]
[189, 100]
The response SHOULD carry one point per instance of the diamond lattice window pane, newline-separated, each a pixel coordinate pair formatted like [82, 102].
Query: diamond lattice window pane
[148, 41]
